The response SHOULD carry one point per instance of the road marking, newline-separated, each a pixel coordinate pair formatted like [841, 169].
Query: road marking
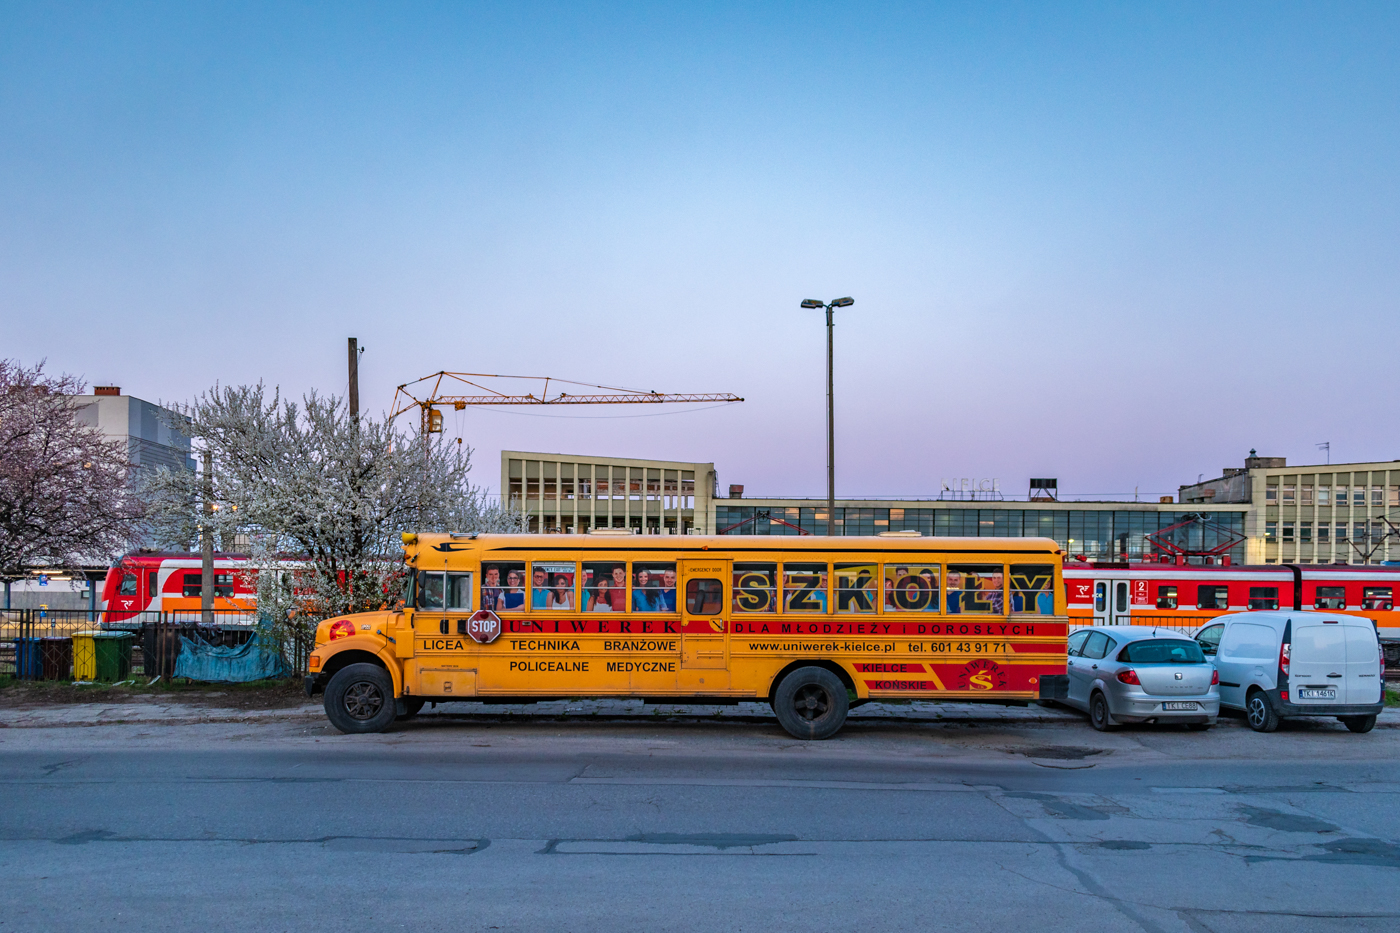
[815, 785]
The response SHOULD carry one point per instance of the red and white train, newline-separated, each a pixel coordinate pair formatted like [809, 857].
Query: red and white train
[170, 582]
[1187, 596]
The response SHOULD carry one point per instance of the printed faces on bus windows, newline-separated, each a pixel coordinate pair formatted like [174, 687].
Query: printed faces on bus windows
[605, 586]
[552, 585]
[911, 587]
[503, 586]
[804, 587]
[654, 587]
[975, 588]
[855, 587]
[755, 587]
[1033, 588]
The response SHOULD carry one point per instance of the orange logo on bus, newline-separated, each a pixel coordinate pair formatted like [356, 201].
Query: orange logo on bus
[982, 675]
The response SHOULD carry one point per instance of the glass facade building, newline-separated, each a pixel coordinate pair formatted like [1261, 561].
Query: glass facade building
[1098, 534]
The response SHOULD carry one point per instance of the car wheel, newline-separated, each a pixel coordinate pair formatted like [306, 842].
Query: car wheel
[1359, 723]
[1099, 716]
[411, 706]
[1260, 712]
[811, 703]
[360, 698]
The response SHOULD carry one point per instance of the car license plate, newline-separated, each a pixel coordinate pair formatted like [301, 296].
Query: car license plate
[1178, 706]
[1317, 693]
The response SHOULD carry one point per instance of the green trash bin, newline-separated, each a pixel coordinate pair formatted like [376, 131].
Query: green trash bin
[102, 656]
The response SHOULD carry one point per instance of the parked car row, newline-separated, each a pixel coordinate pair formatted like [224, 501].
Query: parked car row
[1269, 665]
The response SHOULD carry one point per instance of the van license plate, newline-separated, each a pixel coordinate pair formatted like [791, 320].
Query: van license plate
[1178, 706]
[1317, 693]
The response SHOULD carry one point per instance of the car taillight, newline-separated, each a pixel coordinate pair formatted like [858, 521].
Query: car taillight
[1284, 655]
[1215, 678]
[342, 629]
[1129, 677]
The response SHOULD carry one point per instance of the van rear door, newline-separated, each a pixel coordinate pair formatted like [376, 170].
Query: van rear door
[1363, 673]
[1319, 662]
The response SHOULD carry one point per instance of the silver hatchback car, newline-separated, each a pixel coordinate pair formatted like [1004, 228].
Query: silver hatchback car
[1132, 673]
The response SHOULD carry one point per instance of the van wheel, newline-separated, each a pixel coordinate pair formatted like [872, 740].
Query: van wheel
[811, 703]
[1260, 712]
[1358, 723]
[1099, 716]
[411, 706]
[360, 698]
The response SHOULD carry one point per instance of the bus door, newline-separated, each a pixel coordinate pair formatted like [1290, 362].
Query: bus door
[1111, 603]
[704, 600]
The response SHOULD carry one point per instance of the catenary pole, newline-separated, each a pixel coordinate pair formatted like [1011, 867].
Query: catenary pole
[206, 576]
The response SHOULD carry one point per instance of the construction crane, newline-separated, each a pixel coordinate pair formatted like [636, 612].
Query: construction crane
[427, 394]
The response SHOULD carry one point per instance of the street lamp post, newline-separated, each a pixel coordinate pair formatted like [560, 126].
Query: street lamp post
[830, 409]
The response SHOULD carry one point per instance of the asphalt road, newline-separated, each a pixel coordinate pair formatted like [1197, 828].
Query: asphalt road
[688, 825]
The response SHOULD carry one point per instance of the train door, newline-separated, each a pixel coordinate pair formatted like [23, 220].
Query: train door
[1112, 605]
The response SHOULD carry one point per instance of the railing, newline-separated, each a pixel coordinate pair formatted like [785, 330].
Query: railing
[38, 644]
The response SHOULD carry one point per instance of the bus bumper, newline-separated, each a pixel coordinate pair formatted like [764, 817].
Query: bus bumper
[313, 684]
[1054, 686]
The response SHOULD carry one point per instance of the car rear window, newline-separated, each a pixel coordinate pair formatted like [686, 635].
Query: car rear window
[1162, 651]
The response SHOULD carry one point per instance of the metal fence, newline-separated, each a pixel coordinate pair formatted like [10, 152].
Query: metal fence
[39, 644]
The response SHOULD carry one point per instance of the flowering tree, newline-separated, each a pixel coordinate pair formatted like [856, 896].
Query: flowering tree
[65, 490]
[318, 490]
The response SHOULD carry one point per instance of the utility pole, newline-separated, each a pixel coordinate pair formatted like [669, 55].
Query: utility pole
[830, 407]
[206, 576]
[354, 379]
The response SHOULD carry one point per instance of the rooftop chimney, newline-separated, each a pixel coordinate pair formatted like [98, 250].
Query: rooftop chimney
[736, 492]
[106, 390]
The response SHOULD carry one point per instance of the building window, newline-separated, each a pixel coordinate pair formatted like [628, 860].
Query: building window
[1322, 532]
[1378, 495]
[1166, 597]
[1270, 531]
[1305, 532]
[1263, 597]
[1271, 495]
[1287, 531]
[1358, 496]
[1324, 495]
[1393, 499]
[1288, 494]
[1341, 497]
[1306, 495]
[1341, 532]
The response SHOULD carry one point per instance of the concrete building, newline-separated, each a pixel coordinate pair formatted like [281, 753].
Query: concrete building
[1319, 514]
[145, 427]
[570, 493]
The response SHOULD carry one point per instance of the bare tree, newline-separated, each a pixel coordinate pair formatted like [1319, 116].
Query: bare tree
[320, 491]
[66, 494]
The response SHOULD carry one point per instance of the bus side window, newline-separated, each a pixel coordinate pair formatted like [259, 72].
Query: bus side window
[975, 588]
[459, 592]
[1033, 588]
[704, 597]
[430, 590]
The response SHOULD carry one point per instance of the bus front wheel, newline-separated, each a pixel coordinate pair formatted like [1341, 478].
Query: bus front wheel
[811, 703]
[360, 698]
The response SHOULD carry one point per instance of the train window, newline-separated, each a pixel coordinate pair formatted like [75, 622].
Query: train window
[1166, 597]
[193, 585]
[1212, 597]
[1376, 597]
[153, 582]
[1330, 597]
[1100, 597]
[128, 587]
[1263, 597]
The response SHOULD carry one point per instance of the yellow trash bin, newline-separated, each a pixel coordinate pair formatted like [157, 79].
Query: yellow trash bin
[85, 655]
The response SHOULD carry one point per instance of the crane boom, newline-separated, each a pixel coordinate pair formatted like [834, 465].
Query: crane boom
[430, 389]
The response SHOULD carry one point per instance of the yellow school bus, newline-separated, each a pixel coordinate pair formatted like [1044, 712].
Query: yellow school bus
[808, 624]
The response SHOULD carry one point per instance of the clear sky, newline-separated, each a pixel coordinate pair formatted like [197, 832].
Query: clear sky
[1118, 244]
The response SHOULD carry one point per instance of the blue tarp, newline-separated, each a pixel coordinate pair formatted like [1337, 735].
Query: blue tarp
[202, 661]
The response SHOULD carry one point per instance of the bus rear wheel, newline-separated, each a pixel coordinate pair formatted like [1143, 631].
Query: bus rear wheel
[811, 703]
[360, 698]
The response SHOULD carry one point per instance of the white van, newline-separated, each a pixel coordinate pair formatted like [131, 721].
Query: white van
[1278, 665]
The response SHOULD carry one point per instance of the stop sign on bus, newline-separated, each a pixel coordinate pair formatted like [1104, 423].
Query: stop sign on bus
[484, 626]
